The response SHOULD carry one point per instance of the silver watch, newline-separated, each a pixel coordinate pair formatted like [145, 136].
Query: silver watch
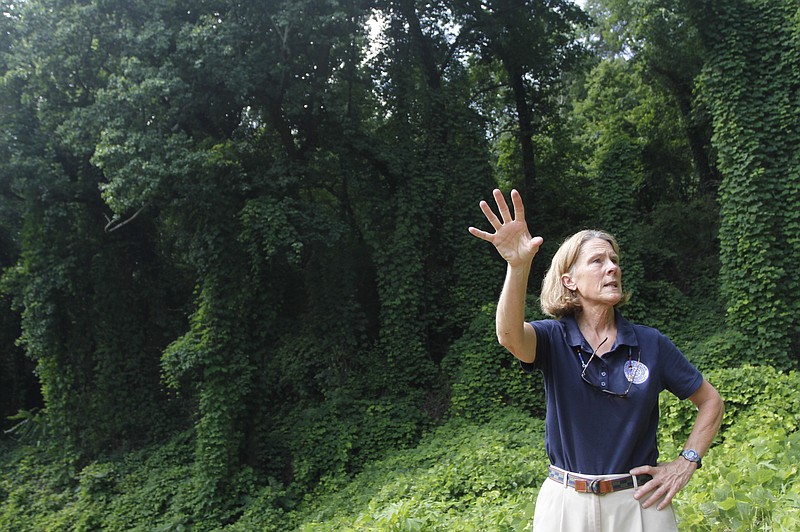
[692, 456]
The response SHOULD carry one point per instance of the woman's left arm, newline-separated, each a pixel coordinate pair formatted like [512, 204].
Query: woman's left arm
[671, 477]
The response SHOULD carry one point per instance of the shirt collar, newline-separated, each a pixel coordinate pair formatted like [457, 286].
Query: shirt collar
[625, 333]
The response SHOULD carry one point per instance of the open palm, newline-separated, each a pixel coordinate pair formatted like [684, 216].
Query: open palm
[511, 237]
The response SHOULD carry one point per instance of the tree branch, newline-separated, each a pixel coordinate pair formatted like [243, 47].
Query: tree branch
[114, 223]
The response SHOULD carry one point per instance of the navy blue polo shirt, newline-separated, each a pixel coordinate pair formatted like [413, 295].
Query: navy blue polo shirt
[595, 433]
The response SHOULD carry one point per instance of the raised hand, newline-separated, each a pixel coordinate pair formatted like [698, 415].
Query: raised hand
[511, 237]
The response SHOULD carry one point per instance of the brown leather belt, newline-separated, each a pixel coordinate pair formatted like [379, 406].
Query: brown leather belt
[596, 486]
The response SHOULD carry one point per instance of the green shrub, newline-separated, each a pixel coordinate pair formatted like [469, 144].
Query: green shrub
[749, 479]
[757, 399]
[465, 475]
[462, 476]
[33, 489]
[485, 377]
[153, 486]
[141, 490]
[336, 438]
[746, 484]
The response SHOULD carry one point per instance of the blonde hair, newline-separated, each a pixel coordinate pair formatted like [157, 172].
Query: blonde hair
[556, 299]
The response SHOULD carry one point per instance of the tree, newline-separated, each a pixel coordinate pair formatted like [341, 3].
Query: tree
[750, 82]
[533, 43]
[91, 317]
[665, 46]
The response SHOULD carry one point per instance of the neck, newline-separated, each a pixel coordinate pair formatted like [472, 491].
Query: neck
[596, 324]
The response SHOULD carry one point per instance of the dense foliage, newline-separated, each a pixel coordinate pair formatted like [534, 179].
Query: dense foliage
[464, 475]
[757, 137]
[237, 288]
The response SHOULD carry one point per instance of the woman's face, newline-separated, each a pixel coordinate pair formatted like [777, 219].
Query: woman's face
[596, 277]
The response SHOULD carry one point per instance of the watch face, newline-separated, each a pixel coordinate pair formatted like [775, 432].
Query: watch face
[691, 455]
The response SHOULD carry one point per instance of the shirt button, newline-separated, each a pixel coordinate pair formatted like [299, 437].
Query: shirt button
[603, 383]
[603, 373]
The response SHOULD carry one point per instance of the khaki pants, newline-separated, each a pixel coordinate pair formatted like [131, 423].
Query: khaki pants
[562, 509]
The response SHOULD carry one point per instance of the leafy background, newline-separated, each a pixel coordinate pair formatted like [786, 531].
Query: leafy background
[237, 288]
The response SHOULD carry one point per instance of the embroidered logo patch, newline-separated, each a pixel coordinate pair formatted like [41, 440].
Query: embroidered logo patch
[636, 372]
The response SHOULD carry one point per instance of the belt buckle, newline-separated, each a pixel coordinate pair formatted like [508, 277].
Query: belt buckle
[594, 486]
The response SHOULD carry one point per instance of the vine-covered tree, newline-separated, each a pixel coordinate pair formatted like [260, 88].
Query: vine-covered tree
[752, 86]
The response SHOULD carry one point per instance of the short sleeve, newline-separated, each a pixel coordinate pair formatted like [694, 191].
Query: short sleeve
[680, 377]
[543, 330]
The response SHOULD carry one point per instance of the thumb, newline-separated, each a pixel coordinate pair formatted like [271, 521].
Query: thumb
[535, 243]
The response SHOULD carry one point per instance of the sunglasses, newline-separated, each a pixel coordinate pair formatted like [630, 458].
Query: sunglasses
[630, 370]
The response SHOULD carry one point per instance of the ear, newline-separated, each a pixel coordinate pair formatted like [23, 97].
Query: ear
[568, 282]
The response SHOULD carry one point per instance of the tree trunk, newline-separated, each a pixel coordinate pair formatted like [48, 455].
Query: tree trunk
[525, 132]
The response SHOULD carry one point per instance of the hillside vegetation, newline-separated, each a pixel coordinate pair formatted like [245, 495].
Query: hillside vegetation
[238, 291]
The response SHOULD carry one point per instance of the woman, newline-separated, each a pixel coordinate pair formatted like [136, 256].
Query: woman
[602, 378]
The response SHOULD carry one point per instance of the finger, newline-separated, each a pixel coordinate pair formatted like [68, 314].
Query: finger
[646, 499]
[663, 496]
[490, 215]
[642, 470]
[502, 206]
[642, 491]
[519, 208]
[483, 235]
[654, 498]
[535, 243]
[665, 501]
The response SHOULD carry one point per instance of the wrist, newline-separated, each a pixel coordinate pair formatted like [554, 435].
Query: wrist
[690, 455]
[521, 264]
